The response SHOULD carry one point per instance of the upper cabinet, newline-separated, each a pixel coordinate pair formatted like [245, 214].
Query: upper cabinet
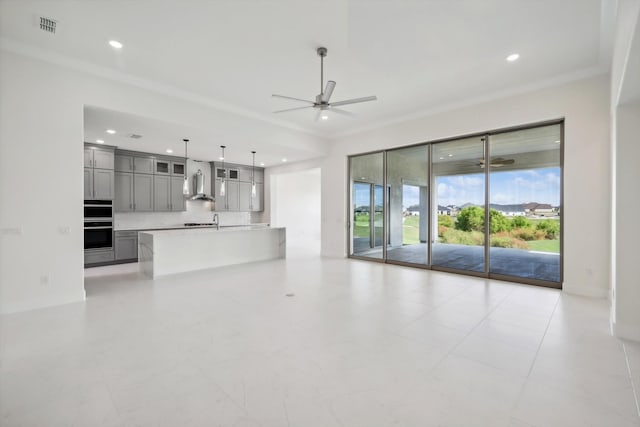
[98, 172]
[148, 183]
[238, 195]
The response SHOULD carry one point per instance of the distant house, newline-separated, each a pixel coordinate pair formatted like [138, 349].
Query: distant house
[413, 210]
[444, 210]
[539, 209]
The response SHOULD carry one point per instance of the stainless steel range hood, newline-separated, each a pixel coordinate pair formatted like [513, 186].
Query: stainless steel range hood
[200, 193]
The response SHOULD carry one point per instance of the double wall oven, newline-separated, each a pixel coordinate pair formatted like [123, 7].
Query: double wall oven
[98, 224]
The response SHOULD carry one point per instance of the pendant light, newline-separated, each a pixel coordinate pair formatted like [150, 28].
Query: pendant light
[253, 175]
[223, 184]
[186, 191]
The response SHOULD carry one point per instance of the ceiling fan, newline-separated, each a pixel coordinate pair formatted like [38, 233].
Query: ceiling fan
[497, 162]
[322, 102]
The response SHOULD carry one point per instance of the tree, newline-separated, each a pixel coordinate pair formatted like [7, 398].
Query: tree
[520, 222]
[470, 218]
[498, 222]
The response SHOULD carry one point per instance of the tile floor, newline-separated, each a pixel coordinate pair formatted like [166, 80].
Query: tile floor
[360, 344]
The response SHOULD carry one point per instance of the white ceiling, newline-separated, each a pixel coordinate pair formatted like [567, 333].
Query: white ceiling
[416, 56]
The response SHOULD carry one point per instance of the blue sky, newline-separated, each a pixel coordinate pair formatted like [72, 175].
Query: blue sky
[513, 187]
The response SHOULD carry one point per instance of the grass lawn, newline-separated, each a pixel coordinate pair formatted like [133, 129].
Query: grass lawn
[544, 245]
[410, 230]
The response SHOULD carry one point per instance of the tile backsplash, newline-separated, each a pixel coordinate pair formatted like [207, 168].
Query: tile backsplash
[197, 211]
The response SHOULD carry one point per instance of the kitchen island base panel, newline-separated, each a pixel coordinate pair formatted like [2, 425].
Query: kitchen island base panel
[165, 252]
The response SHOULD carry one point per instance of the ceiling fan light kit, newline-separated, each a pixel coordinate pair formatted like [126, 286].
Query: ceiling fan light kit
[322, 102]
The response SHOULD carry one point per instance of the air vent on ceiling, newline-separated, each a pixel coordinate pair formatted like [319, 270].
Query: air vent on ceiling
[48, 25]
[134, 136]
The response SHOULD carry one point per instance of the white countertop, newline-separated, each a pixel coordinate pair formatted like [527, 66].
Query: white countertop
[200, 230]
[184, 227]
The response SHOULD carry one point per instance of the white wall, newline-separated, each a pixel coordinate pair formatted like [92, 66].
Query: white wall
[41, 125]
[296, 205]
[625, 111]
[585, 107]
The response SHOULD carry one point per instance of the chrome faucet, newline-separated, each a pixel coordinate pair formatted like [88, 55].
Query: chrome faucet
[216, 221]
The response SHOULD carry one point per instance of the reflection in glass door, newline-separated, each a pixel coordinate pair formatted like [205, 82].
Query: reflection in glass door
[525, 203]
[458, 224]
[367, 206]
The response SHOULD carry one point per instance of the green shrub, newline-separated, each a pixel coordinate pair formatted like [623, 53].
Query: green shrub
[520, 222]
[445, 220]
[470, 218]
[524, 233]
[441, 230]
[460, 237]
[550, 227]
[508, 242]
[498, 222]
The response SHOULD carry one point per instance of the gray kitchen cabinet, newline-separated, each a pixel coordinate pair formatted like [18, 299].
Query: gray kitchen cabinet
[162, 192]
[103, 183]
[178, 168]
[97, 257]
[88, 183]
[244, 174]
[161, 167]
[244, 204]
[178, 202]
[103, 159]
[143, 165]
[95, 157]
[126, 245]
[233, 196]
[143, 192]
[98, 173]
[231, 200]
[88, 157]
[123, 200]
[123, 163]
[259, 175]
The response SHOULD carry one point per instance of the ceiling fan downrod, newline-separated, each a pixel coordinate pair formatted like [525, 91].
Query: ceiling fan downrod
[322, 52]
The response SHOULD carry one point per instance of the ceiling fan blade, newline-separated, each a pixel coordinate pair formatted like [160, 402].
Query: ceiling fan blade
[354, 101]
[328, 90]
[343, 112]
[293, 109]
[292, 98]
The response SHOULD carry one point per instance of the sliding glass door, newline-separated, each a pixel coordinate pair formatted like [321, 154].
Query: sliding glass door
[458, 225]
[408, 182]
[487, 205]
[367, 205]
[525, 203]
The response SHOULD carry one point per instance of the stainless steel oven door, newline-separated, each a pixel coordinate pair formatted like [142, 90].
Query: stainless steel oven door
[98, 235]
[97, 209]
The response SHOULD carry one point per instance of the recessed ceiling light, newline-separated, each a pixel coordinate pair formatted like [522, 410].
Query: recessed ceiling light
[115, 44]
[261, 164]
[169, 150]
[99, 141]
[513, 57]
[111, 131]
[441, 158]
[221, 158]
[557, 141]
[450, 155]
[324, 117]
[284, 160]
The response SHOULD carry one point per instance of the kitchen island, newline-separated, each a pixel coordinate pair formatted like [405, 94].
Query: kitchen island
[163, 252]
